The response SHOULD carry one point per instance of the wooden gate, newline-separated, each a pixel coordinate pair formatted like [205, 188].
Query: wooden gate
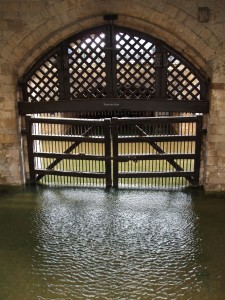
[122, 152]
[65, 151]
[158, 152]
[106, 72]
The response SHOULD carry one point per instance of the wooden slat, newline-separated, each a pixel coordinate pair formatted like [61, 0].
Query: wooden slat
[71, 173]
[67, 121]
[62, 156]
[154, 174]
[154, 120]
[69, 138]
[160, 138]
[161, 156]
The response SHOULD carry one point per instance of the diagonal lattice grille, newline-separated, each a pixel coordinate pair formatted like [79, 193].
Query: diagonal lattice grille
[112, 62]
[87, 67]
[182, 84]
[43, 85]
[135, 66]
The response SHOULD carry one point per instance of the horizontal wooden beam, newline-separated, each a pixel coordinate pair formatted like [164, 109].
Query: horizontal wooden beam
[67, 121]
[152, 120]
[61, 156]
[161, 156]
[155, 174]
[157, 138]
[71, 173]
[69, 138]
[105, 104]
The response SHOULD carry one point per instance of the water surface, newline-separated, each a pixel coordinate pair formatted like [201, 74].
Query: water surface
[68, 244]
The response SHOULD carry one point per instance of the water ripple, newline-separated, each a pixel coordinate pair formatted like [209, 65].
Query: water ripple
[98, 245]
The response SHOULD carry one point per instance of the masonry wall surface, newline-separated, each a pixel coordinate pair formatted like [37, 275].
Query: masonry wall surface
[28, 28]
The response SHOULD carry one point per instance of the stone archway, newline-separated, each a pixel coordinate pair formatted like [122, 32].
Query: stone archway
[109, 71]
[32, 36]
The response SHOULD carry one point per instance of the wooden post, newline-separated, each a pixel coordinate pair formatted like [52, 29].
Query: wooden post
[108, 169]
[29, 125]
[198, 143]
[115, 151]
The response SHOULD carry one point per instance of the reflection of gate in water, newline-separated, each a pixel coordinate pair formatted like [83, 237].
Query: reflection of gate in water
[125, 152]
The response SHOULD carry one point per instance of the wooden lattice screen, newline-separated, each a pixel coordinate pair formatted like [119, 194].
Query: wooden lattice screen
[111, 68]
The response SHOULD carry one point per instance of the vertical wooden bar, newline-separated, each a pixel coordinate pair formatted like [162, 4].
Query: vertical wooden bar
[29, 125]
[115, 151]
[160, 71]
[110, 59]
[198, 143]
[63, 69]
[108, 169]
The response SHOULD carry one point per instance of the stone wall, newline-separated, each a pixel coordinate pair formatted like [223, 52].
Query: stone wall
[215, 147]
[28, 28]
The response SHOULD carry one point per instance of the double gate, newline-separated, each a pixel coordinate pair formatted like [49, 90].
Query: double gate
[117, 152]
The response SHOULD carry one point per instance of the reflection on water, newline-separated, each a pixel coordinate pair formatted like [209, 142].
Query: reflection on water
[95, 244]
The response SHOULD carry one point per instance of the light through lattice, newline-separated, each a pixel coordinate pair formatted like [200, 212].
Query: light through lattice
[43, 85]
[181, 82]
[118, 63]
[135, 66]
[87, 67]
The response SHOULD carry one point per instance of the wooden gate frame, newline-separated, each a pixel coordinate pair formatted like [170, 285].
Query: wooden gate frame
[37, 174]
[111, 135]
[191, 176]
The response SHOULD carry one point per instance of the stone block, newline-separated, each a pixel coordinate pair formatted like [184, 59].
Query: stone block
[170, 10]
[4, 114]
[216, 179]
[191, 22]
[221, 114]
[212, 187]
[217, 138]
[6, 69]
[181, 16]
[9, 139]
[221, 130]
[212, 160]
[3, 25]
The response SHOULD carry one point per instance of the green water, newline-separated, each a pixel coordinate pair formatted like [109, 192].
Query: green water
[68, 244]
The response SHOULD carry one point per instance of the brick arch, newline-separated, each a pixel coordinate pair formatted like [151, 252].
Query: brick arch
[60, 20]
